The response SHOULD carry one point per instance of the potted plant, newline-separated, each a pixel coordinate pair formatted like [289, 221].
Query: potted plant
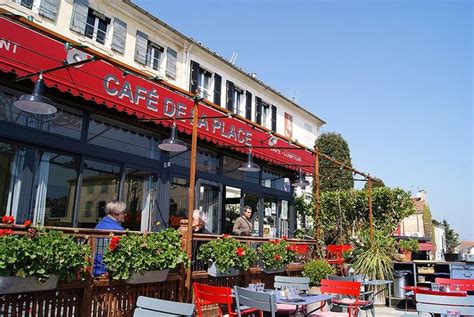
[317, 270]
[409, 246]
[275, 254]
[227, 256]
[36, 261]
[144, 257]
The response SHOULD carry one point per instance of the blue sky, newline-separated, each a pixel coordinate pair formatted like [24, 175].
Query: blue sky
[394, 78]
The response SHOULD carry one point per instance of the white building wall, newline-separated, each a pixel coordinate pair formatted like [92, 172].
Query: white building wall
[440, 241]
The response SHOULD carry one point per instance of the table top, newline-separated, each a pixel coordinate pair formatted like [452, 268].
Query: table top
[376, 282]
[306, 299]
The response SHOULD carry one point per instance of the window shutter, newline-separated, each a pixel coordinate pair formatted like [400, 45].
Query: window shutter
[49, 9]
[171, 58]
[194, 76]
[230, 96]
[79, 16]
[119, 36]
[141, 47]
[274, 118]
[217, 89]
[248, 105]
[258, 105]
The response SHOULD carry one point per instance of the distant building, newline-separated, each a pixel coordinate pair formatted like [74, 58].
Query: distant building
[439, 240]
[413, 226]
[466, 247]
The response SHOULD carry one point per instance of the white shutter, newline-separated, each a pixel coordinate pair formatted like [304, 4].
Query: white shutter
[119, 36]
[171, 57]
[49, 9]
[141, 47]
[79, 16]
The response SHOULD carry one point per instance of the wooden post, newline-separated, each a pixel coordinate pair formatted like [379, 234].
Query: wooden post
[316, 193]
[369, 194]
[192, 185]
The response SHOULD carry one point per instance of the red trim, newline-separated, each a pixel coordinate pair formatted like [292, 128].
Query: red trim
[24, 51]
[426, 246]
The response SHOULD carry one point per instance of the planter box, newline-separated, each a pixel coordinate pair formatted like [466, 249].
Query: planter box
[212, 271]
[274, 271]
[148, 277]
[13, 284]
[451, 257]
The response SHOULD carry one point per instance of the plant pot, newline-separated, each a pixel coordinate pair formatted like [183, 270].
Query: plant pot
[212, 271]
[451, 257]
[13, 284]
[274, 271]
[148, 277]
[407, 255]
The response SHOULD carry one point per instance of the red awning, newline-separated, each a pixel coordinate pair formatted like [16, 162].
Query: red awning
[24, 51]
[426, 246]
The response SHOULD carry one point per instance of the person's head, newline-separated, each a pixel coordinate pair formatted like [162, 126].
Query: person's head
[247, 212]
[199, 219]
[116, 210]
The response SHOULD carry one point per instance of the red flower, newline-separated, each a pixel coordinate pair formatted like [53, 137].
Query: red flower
[2, 232]
[277, 257]
[274, 241]
[291, 247]
[285, 238]
[113, 243]
[240, 251]
[27, 223]
[8, 219]
[8, 232]
[225, 236]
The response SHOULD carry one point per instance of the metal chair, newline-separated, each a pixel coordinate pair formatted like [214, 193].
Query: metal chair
[264, 302]
[456, 284]
[153, 307]
[341, 288]
[441, 304]
[281, 282]
[366, 301]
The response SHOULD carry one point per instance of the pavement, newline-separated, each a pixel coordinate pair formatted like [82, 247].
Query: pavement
[389, 312]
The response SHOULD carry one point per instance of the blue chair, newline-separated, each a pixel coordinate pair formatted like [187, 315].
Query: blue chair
[153, 307]
[264, 302]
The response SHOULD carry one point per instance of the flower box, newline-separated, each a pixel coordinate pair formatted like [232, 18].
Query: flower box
[148, 277]
[274, 271]
[212, 271]
[14, 284]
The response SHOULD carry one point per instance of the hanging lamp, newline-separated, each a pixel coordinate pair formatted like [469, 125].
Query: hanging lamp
[300, 181]
[173, 144]
[36, 103]
[249, 166]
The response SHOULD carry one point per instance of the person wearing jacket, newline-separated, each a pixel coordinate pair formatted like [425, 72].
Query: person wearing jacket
[242, 225]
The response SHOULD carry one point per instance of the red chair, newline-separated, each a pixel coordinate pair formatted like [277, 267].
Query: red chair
[341, 288]
[334, 255]
[418, 290]
[453, 284]
[209, 295]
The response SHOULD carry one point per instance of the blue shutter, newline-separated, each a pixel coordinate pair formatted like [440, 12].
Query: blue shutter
[194, 77]
[141, 46]
[171, 58]
[248, 105]
[119, 36]
[79, 16]
[217, 89]
[274, 118]
[230, 96]
[49, 9]
[258, 106]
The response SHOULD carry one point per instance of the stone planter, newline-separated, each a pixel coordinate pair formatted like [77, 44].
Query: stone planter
[274, 271]
[13, 284]
[212, 271]
[148, 277]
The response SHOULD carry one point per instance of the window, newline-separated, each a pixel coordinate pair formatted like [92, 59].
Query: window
[309, 140]
[238, 102]
[179, 194]
[154, 56]
[88, 209]
[26, 3]
[96, 26]
[204, 84]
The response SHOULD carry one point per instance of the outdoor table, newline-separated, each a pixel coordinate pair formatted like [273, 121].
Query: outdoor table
[379, 283]
[306, 299]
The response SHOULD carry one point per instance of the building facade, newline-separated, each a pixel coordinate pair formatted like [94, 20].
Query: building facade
[60, 169]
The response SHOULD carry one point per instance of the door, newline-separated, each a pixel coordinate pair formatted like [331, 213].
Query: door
[253, 201]
[209, 200]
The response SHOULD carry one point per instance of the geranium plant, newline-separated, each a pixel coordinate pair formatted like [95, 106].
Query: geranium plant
[227, 253]
[40, 253]
[140, 252]
[276, 253]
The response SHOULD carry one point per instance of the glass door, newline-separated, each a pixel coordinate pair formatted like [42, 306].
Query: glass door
[270, 217]
[209, 200]
[253, 201]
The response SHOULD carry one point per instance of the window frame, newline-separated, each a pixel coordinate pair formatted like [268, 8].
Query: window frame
[205, 92]
[95, 27]
[153, 48]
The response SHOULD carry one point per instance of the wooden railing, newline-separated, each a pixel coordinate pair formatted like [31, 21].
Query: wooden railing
[100, 297]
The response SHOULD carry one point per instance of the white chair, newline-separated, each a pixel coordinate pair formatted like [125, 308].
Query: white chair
[264, 302]
[440, 304]
[153, 307]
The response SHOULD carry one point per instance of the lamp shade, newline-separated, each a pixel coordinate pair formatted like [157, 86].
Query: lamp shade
[300, 181]
[36, 103]
[249, 166]
[173, 144]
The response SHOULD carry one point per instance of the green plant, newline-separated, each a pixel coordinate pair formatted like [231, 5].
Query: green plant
[452, 238]
[410, 245]
[41, 254]
[227, 253]
[139, 252]
[276, 253]
[317, 270]
[374, 259]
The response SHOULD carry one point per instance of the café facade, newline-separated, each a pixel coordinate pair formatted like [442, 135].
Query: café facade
[102, 143]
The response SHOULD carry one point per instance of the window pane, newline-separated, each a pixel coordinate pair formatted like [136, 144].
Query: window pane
[231, 207]
[54, 189]
[207, 161]
[209, 203]
[90, 25]
[123, 138]
[11, 164]
[252, 201]
[179, 194]
[65, 122]
[269, 219]
[140, 195]
[97, 176]
[101, 31]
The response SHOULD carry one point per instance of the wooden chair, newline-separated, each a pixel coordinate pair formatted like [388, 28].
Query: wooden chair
[341, 288]
[461, 284]
[440, 304]
[153, 307]
[334, 255]
[264, 302]
[208, 295]
[282, 282]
